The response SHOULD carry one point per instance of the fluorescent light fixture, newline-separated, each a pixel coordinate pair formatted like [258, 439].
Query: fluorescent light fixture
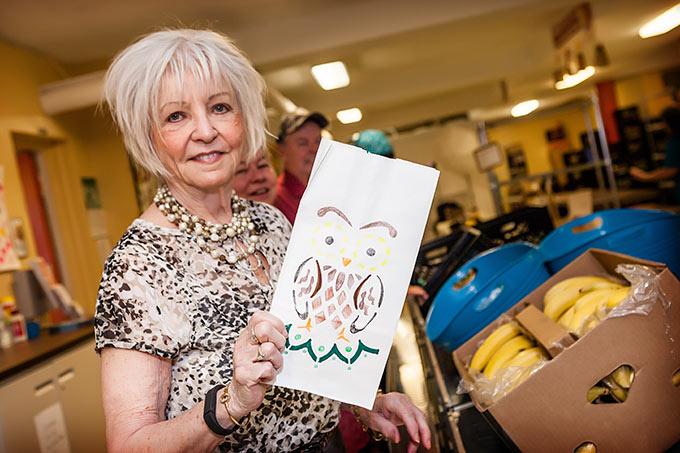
[349, 116]
[663, 23]
[569, 81]
[331, 76]
[524, 108]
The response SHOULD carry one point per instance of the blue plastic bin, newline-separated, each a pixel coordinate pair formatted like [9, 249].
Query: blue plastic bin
[481, 290]
[646, 234]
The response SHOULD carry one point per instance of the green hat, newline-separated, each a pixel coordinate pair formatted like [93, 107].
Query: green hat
[373, 141]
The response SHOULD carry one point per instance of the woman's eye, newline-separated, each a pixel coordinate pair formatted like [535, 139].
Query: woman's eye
[329, 240]
[175, 117]
[370, 252]
[240, 172]
[221, 108]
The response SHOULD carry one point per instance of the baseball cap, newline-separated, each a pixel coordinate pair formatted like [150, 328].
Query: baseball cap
[295, 121]
[373, 141]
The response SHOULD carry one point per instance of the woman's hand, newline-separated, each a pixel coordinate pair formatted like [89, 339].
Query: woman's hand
[393, 410]
[257, 361]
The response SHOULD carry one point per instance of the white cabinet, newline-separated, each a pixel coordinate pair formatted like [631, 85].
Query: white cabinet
[71, 379]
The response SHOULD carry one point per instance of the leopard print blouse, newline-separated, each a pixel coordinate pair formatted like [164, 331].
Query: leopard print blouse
[162, 294]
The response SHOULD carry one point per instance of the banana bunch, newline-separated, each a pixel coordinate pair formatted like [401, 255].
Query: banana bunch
[574, 301]
[506, 347]
[613, 388]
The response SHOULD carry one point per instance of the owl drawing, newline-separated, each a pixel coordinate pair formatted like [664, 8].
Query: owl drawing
[340, 286]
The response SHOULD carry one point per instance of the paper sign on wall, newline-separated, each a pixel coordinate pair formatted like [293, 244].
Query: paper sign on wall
[347, 270]
[8, 258]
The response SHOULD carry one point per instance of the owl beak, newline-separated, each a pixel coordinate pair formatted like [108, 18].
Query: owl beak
[346, 261]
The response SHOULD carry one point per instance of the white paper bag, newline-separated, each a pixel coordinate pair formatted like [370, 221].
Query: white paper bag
[347, 269]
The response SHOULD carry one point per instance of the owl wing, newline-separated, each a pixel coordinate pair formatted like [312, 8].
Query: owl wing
[306, 283]
[368, 298]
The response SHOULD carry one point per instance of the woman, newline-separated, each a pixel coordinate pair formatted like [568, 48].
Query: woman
[186, 344]
[256, 180]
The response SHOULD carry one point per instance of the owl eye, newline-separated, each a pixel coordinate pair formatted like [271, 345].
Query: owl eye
[370, 252]
[329, 240]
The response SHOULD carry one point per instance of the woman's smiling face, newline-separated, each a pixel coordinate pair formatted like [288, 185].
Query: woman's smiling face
[257, 180]
[200, 133]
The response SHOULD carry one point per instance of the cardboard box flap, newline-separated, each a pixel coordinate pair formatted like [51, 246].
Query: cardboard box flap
[552, 336]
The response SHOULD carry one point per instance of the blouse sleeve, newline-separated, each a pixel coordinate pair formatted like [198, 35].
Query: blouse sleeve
[137, 307]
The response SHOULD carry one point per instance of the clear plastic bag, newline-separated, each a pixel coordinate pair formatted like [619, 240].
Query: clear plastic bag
[645, 291]
[488, 391]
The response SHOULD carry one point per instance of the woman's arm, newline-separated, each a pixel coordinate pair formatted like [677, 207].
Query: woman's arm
[136, 385]
[135, 389]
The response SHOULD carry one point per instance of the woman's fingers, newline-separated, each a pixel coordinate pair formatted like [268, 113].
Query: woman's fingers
[387, 428]
[265, 332]
[269, 352]
[266, 317]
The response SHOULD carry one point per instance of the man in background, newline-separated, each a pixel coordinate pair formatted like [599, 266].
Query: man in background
[298, 142]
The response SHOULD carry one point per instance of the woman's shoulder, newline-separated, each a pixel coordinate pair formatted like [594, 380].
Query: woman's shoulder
[142, 240]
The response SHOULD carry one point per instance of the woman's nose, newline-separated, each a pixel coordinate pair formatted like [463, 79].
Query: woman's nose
[204, 130]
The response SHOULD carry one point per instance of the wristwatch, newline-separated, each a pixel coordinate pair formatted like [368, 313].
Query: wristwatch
[210, 410]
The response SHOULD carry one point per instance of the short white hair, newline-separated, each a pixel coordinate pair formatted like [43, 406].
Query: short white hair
[133, 83]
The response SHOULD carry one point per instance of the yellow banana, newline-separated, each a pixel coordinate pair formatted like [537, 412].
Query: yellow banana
[586, 447]
[588, 305]
[595, 392]
[564, 294]
[493, 342]
[505, 353]
[618, 296]
[565, 319]
[526, 358]
[620, 394]
[623, 376]
[601, 296]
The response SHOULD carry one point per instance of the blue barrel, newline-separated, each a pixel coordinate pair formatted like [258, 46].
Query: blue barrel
[481, 290]
[647, 234]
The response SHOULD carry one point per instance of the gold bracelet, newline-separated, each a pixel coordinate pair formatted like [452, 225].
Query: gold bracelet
[376, 435]
[225, 397]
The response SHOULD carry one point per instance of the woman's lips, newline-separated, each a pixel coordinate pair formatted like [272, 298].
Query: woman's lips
[258, 192]
[208, 158]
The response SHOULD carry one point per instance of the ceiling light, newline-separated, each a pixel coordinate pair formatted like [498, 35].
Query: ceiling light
[331, 75]
[524, 108]
[663, 23]
[572, 80]
[348, 116]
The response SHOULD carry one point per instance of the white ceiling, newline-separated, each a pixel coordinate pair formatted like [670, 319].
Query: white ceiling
[408, 60]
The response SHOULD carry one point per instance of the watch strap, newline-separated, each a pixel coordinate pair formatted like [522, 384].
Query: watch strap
[210, 412]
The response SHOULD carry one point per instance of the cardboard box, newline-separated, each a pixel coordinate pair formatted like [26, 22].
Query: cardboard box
[549, 411]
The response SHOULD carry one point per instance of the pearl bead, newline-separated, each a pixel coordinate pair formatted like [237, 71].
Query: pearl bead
[254, 239]
[172, 218]
[200, 241]
[215, 253]
[251, 249]
[198, 228]
[214, 237]
[251, 226]
[231, 259]
[230, 232]
[182, 226]
[185, 218]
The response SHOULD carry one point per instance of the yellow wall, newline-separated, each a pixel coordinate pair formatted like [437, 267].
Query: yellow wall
[82, 147]
[647, 91]
[529, 133]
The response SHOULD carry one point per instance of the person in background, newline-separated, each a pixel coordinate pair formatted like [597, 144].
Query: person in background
[187, 344]
[256, 180]
[671, 165]
[298, 142]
